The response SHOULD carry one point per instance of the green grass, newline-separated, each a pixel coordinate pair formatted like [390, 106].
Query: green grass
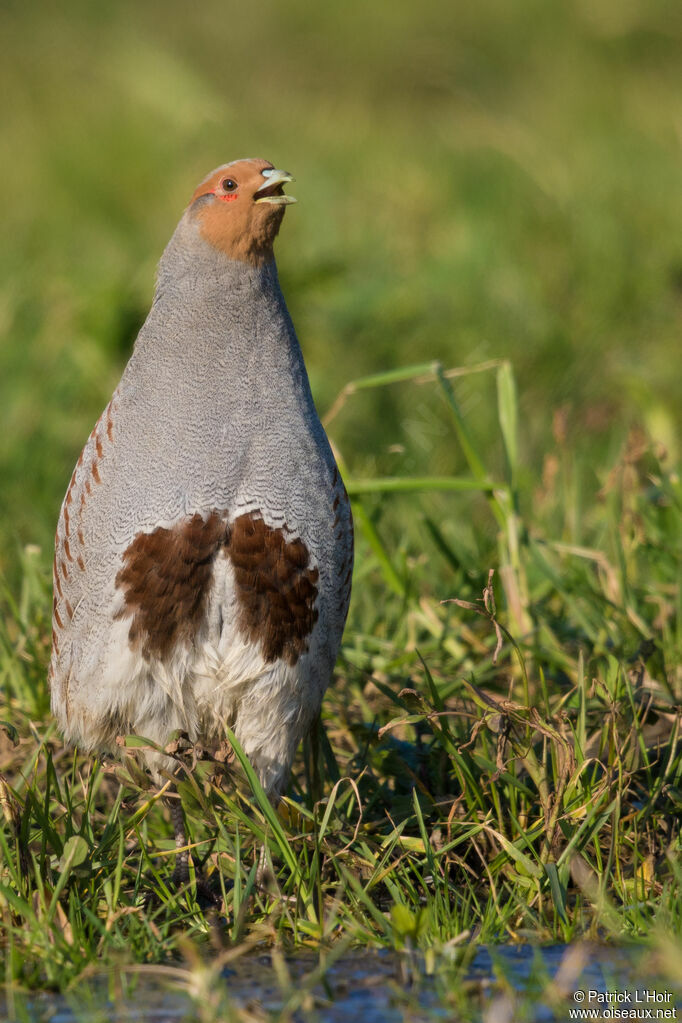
[473, 184]
[492, 188]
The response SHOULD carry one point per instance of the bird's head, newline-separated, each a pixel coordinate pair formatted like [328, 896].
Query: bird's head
[239, 209]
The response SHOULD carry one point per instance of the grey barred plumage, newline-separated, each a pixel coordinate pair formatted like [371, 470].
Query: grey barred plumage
[210, 440]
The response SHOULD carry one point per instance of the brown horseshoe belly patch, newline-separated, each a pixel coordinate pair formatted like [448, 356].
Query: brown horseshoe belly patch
[167, 575]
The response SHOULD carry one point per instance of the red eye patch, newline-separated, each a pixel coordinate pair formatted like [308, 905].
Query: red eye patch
[226, 198]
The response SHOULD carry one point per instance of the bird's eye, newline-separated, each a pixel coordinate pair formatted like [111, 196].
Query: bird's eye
[229, 185]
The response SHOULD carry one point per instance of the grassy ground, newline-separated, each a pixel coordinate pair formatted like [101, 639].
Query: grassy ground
[481, 774]
[495, 188]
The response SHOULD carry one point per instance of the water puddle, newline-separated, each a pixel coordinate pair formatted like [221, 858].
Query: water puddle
[500, 984]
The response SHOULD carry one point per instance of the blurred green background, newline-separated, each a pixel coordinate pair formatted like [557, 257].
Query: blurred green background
[499, 179]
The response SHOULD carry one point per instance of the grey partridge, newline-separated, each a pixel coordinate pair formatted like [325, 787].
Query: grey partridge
[204, 549]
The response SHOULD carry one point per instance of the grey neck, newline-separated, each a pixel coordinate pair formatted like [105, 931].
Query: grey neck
[189, 262]
[218, 329]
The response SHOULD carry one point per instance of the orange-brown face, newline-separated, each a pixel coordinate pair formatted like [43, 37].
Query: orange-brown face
[240, 207]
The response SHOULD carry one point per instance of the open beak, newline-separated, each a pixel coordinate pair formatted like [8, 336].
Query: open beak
[271, 189]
